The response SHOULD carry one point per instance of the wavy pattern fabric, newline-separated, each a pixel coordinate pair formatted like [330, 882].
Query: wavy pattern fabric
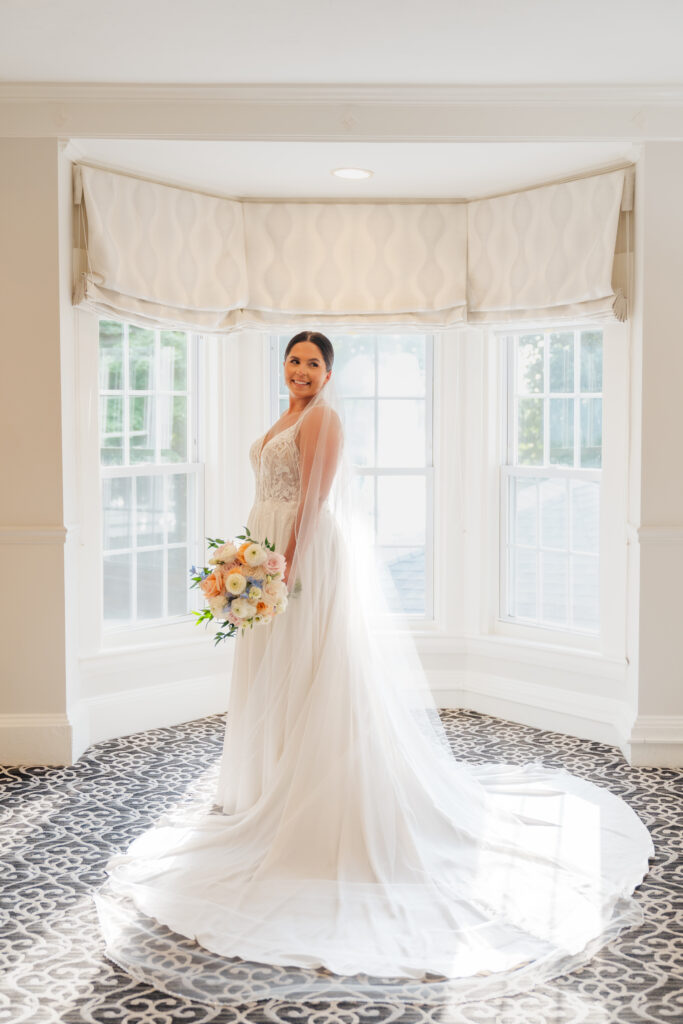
[546, 252]
[163, 256]
[160, 251]
[364, 258]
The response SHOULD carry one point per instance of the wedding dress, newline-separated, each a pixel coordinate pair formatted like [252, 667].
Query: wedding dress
[345, 851]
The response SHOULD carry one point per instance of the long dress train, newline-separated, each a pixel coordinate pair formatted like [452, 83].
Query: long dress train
[346, 854]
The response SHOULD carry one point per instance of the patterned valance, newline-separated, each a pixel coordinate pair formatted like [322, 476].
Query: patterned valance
[159, 255]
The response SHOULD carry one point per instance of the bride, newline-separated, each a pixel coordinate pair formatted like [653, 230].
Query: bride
[345, 852]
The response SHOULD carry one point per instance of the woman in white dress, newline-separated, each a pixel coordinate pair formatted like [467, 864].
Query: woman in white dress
[347, 853]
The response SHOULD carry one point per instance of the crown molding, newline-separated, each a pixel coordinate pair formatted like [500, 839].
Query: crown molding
[321, 93]
[337, 112]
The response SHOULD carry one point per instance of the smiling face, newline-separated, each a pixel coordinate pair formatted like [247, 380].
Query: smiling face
[305, 370]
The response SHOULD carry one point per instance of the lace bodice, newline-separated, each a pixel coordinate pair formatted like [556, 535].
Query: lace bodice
[277, 470]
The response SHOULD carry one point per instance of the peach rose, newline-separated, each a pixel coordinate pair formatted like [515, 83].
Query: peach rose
[213, 585]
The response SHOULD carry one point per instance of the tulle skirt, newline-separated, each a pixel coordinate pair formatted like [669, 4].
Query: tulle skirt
[345, 852]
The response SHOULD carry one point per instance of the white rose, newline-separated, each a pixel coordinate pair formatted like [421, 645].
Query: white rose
[224, 553]
[255, 555]
[254, 594]
[280, 605]
[217, 604]
[274, 588]
[243, 609]
[235, 583]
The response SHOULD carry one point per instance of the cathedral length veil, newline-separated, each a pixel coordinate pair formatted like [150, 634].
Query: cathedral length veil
[346, 852]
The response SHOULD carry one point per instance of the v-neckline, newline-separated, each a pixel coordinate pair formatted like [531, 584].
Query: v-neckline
[265, 443]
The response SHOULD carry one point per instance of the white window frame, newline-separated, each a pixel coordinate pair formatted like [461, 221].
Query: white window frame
[415, 623]
[613, 532]
[94, 634]
[192, 467]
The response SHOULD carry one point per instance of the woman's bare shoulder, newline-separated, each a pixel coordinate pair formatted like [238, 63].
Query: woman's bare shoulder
[319, 418]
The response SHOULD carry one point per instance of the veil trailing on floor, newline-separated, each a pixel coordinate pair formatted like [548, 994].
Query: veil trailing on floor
[342, 851]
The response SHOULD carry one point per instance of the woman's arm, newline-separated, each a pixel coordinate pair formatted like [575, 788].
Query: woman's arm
[321, 429]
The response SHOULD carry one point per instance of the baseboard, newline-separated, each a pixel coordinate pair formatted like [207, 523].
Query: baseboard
[653, 740]
[29, 740]
[585, 715]
[656, 741]
[150, 707]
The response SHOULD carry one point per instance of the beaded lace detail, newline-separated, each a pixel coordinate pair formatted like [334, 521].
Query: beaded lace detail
[277, 469]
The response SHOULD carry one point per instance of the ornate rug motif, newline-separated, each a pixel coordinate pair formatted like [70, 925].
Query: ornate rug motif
[60, 825]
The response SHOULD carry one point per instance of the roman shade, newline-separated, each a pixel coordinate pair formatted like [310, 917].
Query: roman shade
[170, 257]
[546, 253]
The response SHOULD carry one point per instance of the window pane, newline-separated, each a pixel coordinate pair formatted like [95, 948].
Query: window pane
[405, 568]
[176, 510]
[354, 364]
[150, 584]
[145, 424]
[364, 501]
[360, 431]
[401, 430]
[553, 525]
[142, 424]
[530, 432]
[555, 573]
[173, 428]
[523, 512]
[117, 518]
[111, 356]
[141, 358]
[401, 369]
[111, 431]
[530, 363]
[524, 582]
[383, 380]
[117, 604]
[562, 362]
[150, 510]
[178, 581]
[554, 514]
[401, 510]
[591, 432]
[173, 361]
[585, 592]
[591, 360]
[561, 414]
[585, 515]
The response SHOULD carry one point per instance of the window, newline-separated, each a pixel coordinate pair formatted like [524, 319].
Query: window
[150, 476]
[386, 381]
[551, 479]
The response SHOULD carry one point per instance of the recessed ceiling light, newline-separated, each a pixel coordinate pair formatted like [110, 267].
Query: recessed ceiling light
[351, 172]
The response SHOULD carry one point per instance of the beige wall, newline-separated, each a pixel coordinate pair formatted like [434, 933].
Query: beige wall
[32, 660]
[659, 337]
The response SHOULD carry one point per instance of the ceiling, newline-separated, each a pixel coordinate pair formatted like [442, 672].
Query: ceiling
[454, 170]
[371, 42]
[362, 41]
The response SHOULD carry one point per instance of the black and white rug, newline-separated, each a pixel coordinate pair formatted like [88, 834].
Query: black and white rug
[60, 825]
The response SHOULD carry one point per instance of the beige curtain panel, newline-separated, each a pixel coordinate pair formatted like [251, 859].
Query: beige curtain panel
[158, 255]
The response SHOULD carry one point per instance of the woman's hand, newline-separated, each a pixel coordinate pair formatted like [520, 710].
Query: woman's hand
[289, 556]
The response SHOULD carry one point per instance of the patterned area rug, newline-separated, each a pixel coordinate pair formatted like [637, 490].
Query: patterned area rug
[60, 825]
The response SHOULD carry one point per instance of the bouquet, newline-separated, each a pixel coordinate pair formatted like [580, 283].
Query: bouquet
[245, 587]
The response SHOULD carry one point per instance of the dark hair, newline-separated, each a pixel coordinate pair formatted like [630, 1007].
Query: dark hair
[323, 343]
